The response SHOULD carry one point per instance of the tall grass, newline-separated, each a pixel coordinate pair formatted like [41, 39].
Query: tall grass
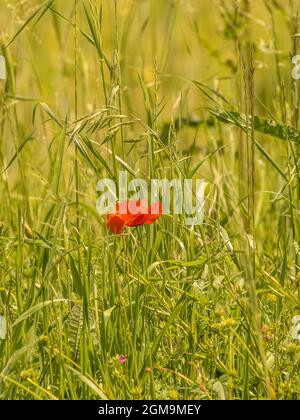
[204, 312]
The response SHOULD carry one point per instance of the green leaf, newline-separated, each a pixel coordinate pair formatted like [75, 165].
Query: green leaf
[262, 125]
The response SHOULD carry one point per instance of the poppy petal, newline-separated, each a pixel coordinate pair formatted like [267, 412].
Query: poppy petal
[115, 223]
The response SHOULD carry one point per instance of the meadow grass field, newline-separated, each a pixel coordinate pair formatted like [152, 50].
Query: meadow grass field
[189, 89]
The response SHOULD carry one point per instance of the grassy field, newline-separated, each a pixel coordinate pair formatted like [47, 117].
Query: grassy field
[160, 89]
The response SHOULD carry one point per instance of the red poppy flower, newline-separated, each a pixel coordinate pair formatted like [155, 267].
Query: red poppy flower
[133, 213]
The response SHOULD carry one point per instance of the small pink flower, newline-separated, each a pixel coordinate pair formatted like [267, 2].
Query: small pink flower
[122, 359]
